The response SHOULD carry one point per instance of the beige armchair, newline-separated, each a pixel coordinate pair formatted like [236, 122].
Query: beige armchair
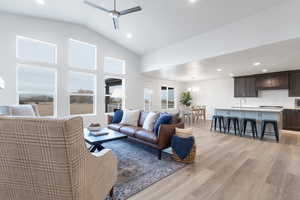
[46, 159]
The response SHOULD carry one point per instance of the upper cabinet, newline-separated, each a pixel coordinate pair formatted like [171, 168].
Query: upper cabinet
[294, 84]
[248, 86]
[245, 87]
[272, 81]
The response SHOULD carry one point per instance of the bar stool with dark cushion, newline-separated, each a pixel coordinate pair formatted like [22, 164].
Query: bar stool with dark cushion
[217, 119]
[275, 126]
[235, 122]
[253, 126]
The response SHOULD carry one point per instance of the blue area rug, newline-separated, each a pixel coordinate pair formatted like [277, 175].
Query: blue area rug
[139, 167]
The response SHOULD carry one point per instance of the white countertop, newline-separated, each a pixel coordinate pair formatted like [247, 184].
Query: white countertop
[251, 109]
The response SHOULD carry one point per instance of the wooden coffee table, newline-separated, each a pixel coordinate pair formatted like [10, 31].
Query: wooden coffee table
[97, 141]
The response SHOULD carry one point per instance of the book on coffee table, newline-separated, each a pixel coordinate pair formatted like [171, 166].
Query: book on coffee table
[100, 132]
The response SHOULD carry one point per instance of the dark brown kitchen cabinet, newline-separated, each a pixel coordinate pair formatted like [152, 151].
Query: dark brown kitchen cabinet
[291, 119]
[272, 81]
[294, 84]
[245, 87]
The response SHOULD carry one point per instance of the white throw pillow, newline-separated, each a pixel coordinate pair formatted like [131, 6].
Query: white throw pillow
[130, 117]
[150, 121]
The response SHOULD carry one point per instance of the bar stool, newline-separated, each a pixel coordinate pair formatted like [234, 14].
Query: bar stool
[236, 124]
[253, 126]
[215, 120]
[275, 127]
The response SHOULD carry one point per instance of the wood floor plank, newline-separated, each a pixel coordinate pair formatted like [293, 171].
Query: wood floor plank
[229, 167]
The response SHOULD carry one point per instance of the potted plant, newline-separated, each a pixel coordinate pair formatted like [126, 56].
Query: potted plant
[186, 99]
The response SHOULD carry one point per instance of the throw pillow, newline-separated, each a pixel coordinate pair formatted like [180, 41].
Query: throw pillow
[130, 117]
[150, 121]
[163, 119]
[117, 117]
[175, 117]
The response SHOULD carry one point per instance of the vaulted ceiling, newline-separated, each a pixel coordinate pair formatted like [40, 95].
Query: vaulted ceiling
[161, 23]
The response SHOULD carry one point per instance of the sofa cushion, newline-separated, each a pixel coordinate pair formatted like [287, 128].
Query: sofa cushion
[115, 127]
[143, 116]
[150, 121]
[163, 119]
[131, 117]
[129, 130]
[117, 118]
[147, 136]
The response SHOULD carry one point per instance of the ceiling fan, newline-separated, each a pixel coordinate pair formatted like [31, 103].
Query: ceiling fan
[114, 13]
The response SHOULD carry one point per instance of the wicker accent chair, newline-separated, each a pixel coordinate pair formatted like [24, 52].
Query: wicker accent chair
[47, 159]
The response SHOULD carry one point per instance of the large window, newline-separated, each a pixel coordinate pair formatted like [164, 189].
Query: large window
[148, 99]
[82, 82]
[114, 66]
[35, 51]
[82, 55]
[114, 94]
[82, 87]
[37, 85]
[167, 97]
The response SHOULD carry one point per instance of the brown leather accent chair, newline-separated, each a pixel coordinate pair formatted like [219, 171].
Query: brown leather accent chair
[159, 141]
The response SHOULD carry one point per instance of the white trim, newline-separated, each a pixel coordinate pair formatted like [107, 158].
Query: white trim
[94, 68]
[18, 37]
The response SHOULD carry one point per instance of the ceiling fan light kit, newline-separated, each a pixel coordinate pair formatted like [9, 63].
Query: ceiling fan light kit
[115, 14]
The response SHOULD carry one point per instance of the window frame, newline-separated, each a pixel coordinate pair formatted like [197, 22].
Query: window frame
[22, 60]
[81, 68]
[123, 88]
[151, 100]
[93, 95]
[167, 104]
[55, 104]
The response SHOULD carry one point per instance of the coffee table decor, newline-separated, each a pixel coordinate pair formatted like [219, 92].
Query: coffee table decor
[96, 141]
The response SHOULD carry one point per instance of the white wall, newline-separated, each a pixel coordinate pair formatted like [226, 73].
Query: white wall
[220, 92]
[278, 23]
[59, 33]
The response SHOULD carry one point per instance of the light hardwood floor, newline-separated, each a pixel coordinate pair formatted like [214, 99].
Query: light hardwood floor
[234, 168]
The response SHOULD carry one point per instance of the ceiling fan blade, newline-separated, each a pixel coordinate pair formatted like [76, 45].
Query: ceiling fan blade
[96, 6]
[131, 10]
[116, 24]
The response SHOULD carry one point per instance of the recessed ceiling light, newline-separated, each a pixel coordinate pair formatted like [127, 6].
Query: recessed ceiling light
[264, 70]
[40, 2]
[192, 1]
[231, 74]
[129, 35]
[256, 63]
[219, 70]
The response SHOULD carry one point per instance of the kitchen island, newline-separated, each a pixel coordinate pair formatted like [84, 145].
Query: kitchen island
[258, 113]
